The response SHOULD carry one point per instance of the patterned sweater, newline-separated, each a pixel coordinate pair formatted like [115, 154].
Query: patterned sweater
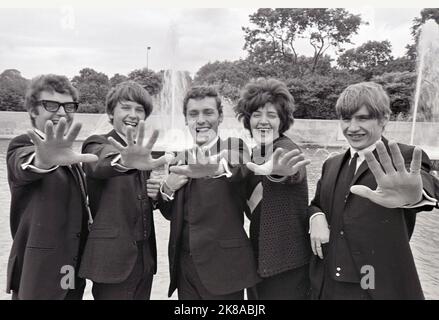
[279, 222]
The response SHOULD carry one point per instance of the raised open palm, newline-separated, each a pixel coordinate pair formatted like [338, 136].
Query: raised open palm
[281, 163]
[57, 148]
[396, 187]
[136, 155]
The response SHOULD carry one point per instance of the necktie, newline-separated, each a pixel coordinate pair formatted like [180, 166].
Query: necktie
[352, 169]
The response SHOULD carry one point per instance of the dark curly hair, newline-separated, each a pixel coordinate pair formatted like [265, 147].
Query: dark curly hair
[261, 91]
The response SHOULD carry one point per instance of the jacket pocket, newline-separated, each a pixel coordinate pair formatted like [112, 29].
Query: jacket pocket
[103, 233]
[234, 243]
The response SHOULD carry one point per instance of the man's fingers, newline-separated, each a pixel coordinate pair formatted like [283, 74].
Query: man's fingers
[86, 157]
[385, 160]
[398, 160]
[48, 130]
[34, 137]
[141, 133]
[129, 137]
[154, 180]
[319, 250]
[116, 144]
[257, 169]
[160, 161]
[415, 165]
[60, 129]
[313, 247]
[374, 165]
[152, 140]
[364, 192]
[73, 132]
[183, 170]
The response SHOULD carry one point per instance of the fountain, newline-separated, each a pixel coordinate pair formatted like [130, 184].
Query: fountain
[425, 122]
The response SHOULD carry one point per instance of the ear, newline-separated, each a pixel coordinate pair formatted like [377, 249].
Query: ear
[33, 113]
[185, 121]
[221, 117]
[383, 122]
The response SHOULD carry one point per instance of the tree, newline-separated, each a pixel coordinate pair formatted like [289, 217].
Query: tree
[371, 58]
[93, 87]
[426, 14]
[400, 87]
[117, 78]
[148, 79]
[274, 36]
[316, 95]
[12, 90]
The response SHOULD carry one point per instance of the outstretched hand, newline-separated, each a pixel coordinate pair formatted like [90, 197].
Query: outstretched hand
[137, 156]
[57, 148]
[201, 164]
[396, 187]
[281, 163]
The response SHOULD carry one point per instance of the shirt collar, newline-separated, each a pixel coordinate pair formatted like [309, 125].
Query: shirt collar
[121, 136]
[361, 152]
[40, 133]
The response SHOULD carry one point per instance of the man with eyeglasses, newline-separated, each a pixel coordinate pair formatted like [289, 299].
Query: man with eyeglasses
[49, 213]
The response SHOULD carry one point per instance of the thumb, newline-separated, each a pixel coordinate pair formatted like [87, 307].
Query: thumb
[257, 169]
[363, 191]
[87, 157]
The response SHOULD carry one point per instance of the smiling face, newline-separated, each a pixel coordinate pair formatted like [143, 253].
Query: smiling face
[203, 119]
[41, 115]
[127, 113]
[265, 123]
[361, 129]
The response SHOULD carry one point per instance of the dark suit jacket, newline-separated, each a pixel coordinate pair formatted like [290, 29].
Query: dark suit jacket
[220, 248]
[117, 200]
[47, 217]
[376, 236]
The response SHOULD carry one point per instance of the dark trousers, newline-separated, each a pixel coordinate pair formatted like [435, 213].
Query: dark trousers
[73, 294]
[138, 284]
[289, 285]
[189, 285]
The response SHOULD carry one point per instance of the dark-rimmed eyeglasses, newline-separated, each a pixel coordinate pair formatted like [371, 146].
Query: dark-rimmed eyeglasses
[53, 106]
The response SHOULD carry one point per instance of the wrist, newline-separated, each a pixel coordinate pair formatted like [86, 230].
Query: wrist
[167, 189]
[41, 164]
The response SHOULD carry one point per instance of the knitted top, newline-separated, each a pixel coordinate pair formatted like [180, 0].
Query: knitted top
[279, 223]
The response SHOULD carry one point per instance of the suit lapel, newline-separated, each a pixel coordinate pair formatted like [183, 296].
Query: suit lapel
[116, 137]
[364, 167]
[334, 172]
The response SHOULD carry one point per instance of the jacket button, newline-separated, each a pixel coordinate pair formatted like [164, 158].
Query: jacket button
[337, 274]
[341, 232]
[75, 259]
[78, 235]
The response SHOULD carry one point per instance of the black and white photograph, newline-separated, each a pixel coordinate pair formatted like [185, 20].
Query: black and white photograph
[228, 154]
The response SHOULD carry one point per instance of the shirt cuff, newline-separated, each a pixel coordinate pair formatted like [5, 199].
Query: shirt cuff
[425, 201]
[117, 166]
[164, 195]
[312, 217]
[277, 180]
[29, 166]
[226, 172]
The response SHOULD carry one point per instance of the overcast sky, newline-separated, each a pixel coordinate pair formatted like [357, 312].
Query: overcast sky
[113, 40]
